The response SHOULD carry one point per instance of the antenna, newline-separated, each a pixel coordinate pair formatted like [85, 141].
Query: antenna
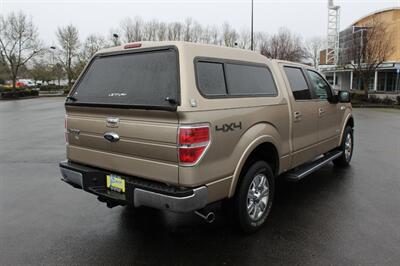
[332, 51]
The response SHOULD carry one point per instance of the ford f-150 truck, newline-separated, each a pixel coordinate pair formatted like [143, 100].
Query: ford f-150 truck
[177, 126]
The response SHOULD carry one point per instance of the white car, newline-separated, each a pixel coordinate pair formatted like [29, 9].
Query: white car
[28, 82]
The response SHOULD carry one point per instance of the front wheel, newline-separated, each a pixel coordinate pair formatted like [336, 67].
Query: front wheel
[254, 197]
[347, 148]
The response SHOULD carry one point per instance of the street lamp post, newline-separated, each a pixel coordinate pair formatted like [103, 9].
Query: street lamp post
[53, 48]
[252, 40]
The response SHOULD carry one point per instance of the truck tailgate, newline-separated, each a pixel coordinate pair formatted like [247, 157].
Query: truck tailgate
[146, 147]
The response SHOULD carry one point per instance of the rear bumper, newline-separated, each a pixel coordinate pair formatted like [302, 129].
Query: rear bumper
[139, 192]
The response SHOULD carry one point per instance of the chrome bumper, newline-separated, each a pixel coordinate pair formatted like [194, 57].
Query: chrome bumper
[72, 177]
[83, 177]
[176, 204]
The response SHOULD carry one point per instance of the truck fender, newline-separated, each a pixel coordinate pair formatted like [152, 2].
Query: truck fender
[252, 138]
[348, 116]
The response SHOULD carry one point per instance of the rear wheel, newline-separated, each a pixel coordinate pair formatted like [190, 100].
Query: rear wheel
[346, 147]
[253, 200]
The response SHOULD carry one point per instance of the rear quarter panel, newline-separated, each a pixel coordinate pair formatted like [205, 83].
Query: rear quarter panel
[227, 148]
[266, 117]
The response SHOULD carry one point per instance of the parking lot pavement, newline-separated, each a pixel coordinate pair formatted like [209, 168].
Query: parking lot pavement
[333, 217]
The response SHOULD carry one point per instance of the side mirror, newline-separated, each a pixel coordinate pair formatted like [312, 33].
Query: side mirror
[343, 96]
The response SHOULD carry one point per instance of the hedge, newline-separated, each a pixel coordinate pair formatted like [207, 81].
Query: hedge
[8, 94]
[52, 88]
[359, 97]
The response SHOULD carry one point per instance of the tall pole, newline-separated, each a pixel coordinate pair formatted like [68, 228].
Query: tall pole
[252, 46]
[53, 48]
[53, 63]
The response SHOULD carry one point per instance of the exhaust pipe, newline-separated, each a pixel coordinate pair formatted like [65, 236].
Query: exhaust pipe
[209, 217]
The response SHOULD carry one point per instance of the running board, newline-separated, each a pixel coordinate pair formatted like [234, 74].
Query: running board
[308, 168]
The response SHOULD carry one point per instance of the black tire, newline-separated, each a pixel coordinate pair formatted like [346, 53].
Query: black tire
[241, 199]
[346, 147]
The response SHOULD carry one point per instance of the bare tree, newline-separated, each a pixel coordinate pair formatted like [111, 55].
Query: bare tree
[162, 31]
[206, 35]
[196, 32]
[187, 30]
[371, 46]
[19, 42]
[68, 40]
[284, 45]
[244, 39]
[229, 35]
[150, 30]
[313, 47]
[174, 31]
[127, 29]
[215, 39]
[260, 41]
[92, 44]
[132, 29]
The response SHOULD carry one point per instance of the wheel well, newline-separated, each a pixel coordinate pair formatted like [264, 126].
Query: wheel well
[267, 152]
[350, 122]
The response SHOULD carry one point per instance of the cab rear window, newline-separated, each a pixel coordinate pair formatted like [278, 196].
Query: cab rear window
[147, 79]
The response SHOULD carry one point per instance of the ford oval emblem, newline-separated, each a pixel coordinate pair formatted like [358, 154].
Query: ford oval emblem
[111, 136]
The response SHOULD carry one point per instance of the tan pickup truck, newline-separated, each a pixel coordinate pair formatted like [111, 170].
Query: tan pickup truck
[178, 126]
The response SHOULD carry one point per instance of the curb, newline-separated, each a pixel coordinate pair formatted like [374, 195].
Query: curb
[376, 106]
[30, 97]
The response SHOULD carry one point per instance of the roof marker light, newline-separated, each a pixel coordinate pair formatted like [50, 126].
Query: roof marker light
[132, 45]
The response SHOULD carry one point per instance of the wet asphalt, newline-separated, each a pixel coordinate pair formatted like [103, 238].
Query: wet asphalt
[333, 217]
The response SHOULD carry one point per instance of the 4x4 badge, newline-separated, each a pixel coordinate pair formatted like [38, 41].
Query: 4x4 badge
[229, 127]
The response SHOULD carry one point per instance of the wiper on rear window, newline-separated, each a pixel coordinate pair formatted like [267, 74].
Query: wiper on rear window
[171, 100]
[72, 98]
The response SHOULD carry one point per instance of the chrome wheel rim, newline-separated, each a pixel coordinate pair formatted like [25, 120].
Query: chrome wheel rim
[348, 147]
[257, 197]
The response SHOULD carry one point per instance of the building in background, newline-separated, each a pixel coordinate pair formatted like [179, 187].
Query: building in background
[386, 77]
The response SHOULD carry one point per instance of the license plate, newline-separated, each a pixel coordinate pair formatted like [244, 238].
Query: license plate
[116, 183]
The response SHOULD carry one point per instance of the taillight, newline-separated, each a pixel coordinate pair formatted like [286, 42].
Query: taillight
[193, 141]
[132, 45]
[65, 130]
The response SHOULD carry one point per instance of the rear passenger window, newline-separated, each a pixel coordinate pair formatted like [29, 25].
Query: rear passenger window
[234, 79]
[249, 80]
[298, 83]
[210, 77]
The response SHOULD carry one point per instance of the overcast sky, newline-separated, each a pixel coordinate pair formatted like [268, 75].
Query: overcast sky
[307, 18]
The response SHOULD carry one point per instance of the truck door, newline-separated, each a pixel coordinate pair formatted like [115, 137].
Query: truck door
[328, 113]
[304, 116]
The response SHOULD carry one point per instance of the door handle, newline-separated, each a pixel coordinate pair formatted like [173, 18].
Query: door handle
[297, 116]
[321, 111]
